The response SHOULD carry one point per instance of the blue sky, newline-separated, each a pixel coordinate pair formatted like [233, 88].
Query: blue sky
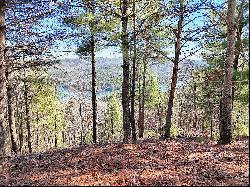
[111, 52]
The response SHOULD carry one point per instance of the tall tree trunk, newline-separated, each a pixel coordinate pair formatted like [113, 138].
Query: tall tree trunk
[139, 95]
[226, 104]
[132, 114]
[63, 136]
[159, 113]
[175, 73]
[125, 83]
[180, 115]
[93, 62]
[94, 104]
[211, 125]
[27, 115]
[20, 130]
[2, 73]
[80, 112]
[142, 100]
[238, 43]
[11, 117]
[55, 133]
[194, 106]
[210, 108]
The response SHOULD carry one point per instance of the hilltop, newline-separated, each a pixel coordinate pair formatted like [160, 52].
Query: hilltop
[149, 162]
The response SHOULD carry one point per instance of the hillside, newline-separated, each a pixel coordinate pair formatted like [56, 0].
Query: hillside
[73, 75]
[150, 162]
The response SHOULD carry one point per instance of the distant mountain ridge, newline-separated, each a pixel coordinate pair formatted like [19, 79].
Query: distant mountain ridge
[75, 74]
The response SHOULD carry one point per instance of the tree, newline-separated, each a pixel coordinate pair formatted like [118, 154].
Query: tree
[92, 42]
[24, 39]
[2, 72]
[10, 106]
[175, 69]
[133, 81]
[142, 98]
[125, 66]
[226, 101]
[46, 108]
[214, 54]
[95, 24]
[150, 43]
[113, 118]
[27, 113]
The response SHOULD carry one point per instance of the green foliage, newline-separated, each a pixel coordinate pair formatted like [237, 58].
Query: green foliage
[151, 133]
[241, 75]
[242, 94]
[241, 130]
[242, 86]
[84, 50]
[240, 118]
[153, 96]
[89, 138]
[175, 131]
[113, 118]
[46, 106]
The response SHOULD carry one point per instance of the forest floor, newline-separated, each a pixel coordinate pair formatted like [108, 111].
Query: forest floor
[149, 162]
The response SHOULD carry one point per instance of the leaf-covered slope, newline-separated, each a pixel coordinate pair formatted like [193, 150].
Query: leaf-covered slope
[145, 163]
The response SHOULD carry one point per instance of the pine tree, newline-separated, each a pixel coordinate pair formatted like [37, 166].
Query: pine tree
[126, 73]
[226, 102]
[178, 34]
[2, 73]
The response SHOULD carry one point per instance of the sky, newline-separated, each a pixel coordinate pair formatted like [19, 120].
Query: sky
[111, 52]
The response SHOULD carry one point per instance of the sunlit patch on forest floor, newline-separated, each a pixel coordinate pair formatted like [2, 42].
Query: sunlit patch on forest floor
[151, 162]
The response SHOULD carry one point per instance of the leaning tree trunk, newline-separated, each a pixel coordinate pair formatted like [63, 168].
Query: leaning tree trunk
[175, 73]
[2, 73]
[125, 83]
[226, 102]
[132, 115]
[11, 117]
[27, 115]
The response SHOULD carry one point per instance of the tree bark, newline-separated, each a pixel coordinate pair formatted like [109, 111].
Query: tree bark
[142, 101]
[55, 133]
[238, 43]
[93, 62]
[194, 106]
[80, 112]
[11, 117]
[125, 83]
[174, 74]
[226, 102]
[210, 108]
[27, 115]
[20, 122]
[180, 115]
[2, 73]
[132, 114]
[159, 113]
[94, 104]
